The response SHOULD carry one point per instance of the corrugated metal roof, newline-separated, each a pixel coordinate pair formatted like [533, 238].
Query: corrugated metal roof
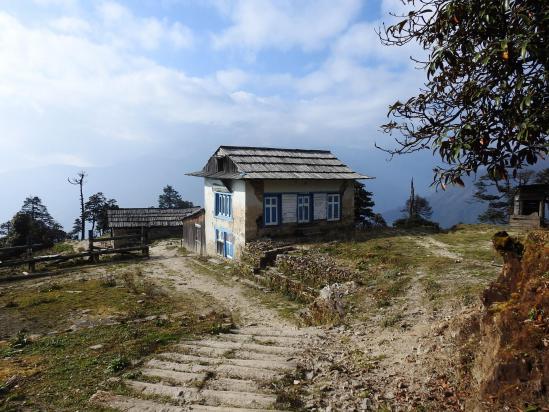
[148, 217]
[276, 163]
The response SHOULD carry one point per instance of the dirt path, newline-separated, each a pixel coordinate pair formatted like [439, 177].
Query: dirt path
[231, 371]
[247, 310]
[438, 248]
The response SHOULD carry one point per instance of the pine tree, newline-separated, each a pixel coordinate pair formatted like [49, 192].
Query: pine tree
[364, 204]
[500, 195]
[171, 199]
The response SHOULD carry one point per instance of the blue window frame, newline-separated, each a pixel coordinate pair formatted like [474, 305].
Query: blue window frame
[334, 206]
[224, 243]
[223, 205]
[303, 208]
[272, 210]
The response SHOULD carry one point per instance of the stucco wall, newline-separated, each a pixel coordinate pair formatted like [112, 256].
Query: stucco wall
[254, 206]
[235, 225]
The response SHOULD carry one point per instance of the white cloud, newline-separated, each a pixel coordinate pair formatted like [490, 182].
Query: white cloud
[74, 96]
[283, 24]
[231, 79]
[126, 30]
[71, 25]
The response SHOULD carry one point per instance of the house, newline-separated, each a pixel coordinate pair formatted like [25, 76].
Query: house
[529, 206]
[257, 192]
[159, 223]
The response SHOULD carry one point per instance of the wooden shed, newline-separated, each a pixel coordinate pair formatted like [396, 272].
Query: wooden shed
[194, 236]
[160, 223]
[529, 206]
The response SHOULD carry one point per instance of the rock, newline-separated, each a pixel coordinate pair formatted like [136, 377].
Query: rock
[366, 404]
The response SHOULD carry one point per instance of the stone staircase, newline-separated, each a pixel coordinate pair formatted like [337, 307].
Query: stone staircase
[226, 372]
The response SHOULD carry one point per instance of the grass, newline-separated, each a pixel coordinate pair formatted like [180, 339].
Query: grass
[62, 371]
[390, 262]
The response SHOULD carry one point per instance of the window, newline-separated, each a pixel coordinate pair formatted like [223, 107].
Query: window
[303, 208]
[224, 243]
[223, 205]
[334, 207]
[271, 210]
[220, 242]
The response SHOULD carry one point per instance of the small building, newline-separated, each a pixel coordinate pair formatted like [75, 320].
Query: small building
[529, 206]
[159, 223]
[257, 192]
[194, 238]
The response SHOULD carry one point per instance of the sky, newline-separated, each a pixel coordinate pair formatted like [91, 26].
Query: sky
[137, 93]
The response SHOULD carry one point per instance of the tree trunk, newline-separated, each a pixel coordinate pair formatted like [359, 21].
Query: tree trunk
[82, 211]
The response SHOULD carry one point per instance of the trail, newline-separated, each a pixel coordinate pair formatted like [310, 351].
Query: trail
[226, 372]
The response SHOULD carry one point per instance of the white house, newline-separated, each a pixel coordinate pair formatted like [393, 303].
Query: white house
[256, 192]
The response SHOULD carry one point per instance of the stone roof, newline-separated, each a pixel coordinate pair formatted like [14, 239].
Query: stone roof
[148, 217]
[236, 162]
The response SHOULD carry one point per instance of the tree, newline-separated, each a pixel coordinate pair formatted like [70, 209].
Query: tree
[416, 206]
[34, 207]
[79, 180]
[542, 177]
[419, 207]
[171, 199]
[96, 210]
[76, 227]
[484, 102]
[33, 224]
[500, 195]
[364, 203]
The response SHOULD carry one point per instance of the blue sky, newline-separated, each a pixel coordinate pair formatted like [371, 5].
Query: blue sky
[139, 92]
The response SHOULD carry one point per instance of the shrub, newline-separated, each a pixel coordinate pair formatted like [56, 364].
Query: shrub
[415, 222]
[108, 281]
[118, 363]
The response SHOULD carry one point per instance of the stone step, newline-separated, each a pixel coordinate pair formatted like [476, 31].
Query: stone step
[287, 332]
[127, 404]
[263, 340]
[227, 353]
[251, 363]
[222, 384]
[226, 371]
[253, 347]
[208, 397]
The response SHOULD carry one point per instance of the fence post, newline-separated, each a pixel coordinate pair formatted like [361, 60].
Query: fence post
[90, 246]
[144, 242]
[29, 255]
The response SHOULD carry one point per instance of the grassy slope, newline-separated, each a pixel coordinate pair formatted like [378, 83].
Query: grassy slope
[390, 262]
[62, 371]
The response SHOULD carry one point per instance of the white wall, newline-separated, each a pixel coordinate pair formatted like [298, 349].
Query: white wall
[235, 225]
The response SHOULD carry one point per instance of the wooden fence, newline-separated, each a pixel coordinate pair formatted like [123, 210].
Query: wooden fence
[93, 253]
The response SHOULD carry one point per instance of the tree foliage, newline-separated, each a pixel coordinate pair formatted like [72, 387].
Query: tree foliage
[500, 195]
[486, 95]
[171, 199]
[419, 207]
[96, 211]
[364, 208]
[32, 224]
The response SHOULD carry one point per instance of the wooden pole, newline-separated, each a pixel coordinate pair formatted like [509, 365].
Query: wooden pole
[90, 245]
[29, 255]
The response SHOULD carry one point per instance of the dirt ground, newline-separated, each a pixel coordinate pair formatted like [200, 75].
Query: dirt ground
[399, 357]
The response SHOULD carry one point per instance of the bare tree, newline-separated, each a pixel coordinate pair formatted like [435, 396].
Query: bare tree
[79, 180]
